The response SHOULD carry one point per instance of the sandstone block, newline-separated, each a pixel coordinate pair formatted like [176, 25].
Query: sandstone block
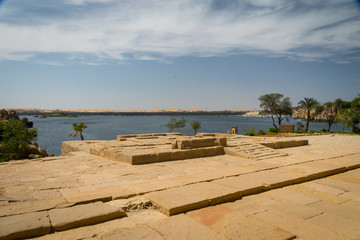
[82, 215]
[238, 226]
[338, 224]
[247, 184]
[301, 228]
[184, 227]
[182, 199]
[139, 232]
[31, 206]
[24, 225]
[104, 195]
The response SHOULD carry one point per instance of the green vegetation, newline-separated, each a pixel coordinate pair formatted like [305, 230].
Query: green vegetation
[277, 106]
[57, 114]
[175, 124]
[250, 131]
[273, 130]
[195, 125]
[15, 139]
[308, 104]
[261, 132]
[78, 128]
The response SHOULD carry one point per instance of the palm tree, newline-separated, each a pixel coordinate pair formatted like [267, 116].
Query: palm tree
[78, 128]
[308, 104]
[196, 125]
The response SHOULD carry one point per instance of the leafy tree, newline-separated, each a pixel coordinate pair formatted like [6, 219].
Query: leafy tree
[78, 128]
[341, 104]
[196, 125]
[277, 106]
[350, 117]
[175, 124]
[15, 139]
[308, 104]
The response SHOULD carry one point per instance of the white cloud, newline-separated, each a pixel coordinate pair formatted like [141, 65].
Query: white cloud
[163, 29]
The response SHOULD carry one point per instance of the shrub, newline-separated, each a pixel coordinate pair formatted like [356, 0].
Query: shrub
[250, 131]
[261, 132]
[273, 130]
[313, 131]
[15, 140]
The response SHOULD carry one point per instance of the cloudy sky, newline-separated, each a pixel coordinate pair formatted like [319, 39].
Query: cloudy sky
[181, 54]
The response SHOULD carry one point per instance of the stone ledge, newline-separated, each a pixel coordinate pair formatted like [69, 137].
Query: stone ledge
[82, 215]
[190, 197]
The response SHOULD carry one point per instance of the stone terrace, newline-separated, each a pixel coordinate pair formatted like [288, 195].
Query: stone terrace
[246, 191]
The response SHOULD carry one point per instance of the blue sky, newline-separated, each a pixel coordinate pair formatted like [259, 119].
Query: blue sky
[184, 54]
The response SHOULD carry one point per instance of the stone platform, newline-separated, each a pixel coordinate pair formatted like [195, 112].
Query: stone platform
[304, 192]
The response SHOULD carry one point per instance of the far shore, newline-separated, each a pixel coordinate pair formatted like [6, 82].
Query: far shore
[26, 111]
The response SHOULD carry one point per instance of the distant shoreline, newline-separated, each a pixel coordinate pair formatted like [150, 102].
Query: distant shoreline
[127, 113]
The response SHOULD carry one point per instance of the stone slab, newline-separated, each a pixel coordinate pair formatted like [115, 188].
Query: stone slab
[31, 206]
[247, 184]
[289, 195]
[338, 209]
[181, 227]
[238, 226]
[24, 225]
[82, 215]
[104, 195]
[139, 232]
[300, 227]
[338, 224]
[182, 199]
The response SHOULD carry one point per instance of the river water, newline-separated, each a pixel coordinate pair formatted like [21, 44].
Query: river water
[52, 131]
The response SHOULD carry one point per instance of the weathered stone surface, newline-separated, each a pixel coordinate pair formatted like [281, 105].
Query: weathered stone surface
[338, 224]
[83, 215]
[31, 206]
[300, 227]
[184, 227]
[140, 232]
[247, 184]
[238, 226]
[182, 199]
[292, 196]
[338, 209]
[104, 195]
[24, 226]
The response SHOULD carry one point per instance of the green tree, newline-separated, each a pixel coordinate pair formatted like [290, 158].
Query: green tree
[350, 117]
[277, 106]
[15, 139]
[78, 128]
[308, 104]
[175, 124]
[195, 125]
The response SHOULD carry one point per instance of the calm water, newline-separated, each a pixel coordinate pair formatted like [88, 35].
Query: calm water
[53, 131]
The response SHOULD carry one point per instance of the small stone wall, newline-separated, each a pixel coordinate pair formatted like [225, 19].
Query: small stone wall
[285, 143]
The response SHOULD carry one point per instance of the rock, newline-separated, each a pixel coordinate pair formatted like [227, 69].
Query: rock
[42, 152]
[33, 149]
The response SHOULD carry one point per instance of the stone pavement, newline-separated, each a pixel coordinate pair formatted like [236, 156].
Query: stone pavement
[306, 192]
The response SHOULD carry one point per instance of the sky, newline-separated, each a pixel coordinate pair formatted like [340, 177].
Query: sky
[181, 54]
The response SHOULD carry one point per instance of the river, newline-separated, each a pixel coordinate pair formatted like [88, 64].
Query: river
[52, 131]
